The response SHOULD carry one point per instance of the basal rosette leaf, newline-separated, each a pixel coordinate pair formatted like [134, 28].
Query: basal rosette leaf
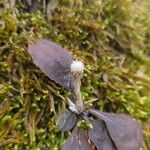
[66, 121]
[123, 130]
[53, 60]
[78, 140]
[100, 137]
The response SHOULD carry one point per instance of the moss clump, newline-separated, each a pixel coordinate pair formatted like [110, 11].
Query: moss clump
[111, 39]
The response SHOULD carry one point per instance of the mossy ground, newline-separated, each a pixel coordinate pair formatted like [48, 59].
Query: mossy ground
[110, 37]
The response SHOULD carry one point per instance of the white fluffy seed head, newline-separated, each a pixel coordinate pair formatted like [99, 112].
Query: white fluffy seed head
[77, 66]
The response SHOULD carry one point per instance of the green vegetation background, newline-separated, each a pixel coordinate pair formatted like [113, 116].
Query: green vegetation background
[111, 37]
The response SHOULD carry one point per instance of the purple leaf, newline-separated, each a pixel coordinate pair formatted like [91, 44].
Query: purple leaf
[66, 121]
[53, 60]
[100, 137]
[123, 130]
[78, 140]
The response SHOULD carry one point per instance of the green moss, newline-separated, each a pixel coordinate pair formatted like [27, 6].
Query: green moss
[100, 33]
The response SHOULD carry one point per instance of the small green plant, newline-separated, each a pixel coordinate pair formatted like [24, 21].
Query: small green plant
[109, 131]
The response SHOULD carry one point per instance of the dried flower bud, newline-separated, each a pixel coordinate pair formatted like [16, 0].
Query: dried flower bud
[77, 67]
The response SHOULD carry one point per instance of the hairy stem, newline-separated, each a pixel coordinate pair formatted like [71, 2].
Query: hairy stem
[76, 78]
